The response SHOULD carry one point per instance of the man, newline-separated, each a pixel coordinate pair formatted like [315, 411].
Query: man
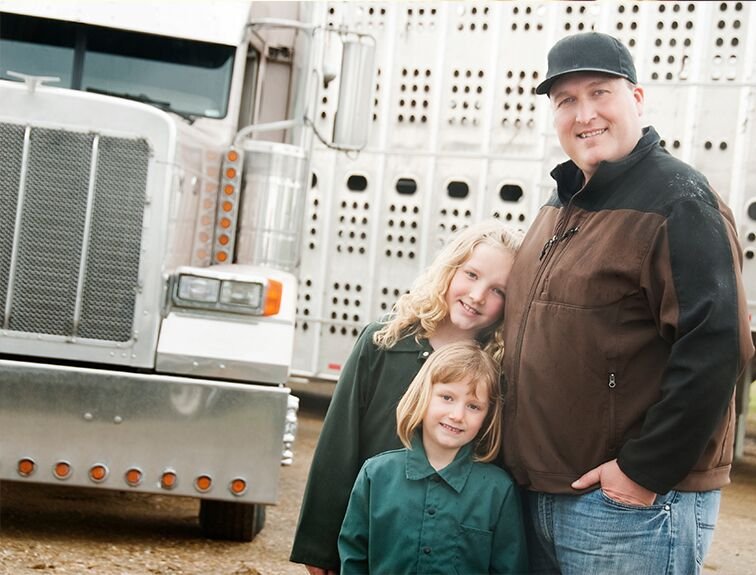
[626, 332]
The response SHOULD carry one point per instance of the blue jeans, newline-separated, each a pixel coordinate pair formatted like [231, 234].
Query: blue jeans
[591, 534]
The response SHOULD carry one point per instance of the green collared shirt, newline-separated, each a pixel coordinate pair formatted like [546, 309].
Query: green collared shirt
[405, 517]
[360, 423]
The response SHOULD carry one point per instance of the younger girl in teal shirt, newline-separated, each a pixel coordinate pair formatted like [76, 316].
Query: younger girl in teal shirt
[439, 506]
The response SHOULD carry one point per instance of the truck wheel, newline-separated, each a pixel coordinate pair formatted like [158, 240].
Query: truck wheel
[231, 521]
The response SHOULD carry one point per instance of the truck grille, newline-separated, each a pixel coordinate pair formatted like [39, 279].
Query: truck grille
[71, 208]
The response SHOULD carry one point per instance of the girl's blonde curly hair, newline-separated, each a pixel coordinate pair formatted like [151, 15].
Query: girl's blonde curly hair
[420, 312]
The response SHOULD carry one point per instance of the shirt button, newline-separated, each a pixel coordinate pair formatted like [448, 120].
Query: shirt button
[431, 511]
[426, 354]
[426, 550]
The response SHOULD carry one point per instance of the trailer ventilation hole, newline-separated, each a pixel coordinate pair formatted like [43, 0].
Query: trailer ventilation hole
[510, 193]
[458, 190]
[752, 210]
[357, 183]
[406, 186]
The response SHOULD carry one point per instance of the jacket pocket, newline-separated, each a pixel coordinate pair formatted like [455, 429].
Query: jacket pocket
[611, 385]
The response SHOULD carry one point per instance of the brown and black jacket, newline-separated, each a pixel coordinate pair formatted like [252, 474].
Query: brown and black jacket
[627, 328]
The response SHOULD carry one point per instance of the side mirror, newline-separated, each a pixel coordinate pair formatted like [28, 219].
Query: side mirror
[352, 121]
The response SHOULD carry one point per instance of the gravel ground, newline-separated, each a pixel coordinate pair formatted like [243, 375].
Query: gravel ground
[67, 531]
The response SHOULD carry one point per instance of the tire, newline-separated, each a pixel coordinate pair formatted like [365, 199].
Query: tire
[231, 521]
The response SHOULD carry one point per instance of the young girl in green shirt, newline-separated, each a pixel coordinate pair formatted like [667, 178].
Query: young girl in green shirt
[459, 297]
[439, 505]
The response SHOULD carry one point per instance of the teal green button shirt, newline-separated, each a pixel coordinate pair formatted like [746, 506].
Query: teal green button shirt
[404, 517]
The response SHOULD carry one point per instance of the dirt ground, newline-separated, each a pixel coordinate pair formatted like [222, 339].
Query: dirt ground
[66, 531]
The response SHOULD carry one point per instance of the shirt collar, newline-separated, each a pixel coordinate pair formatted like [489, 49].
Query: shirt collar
[455, 474]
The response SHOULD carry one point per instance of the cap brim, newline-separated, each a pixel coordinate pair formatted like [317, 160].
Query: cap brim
[545, 86]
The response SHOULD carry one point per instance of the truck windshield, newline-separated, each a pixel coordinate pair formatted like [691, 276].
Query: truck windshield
[189, 77]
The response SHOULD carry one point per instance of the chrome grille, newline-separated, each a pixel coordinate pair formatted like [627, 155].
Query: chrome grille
[11, 152]
[73, 267]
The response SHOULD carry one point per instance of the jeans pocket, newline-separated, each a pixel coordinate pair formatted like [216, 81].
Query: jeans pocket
[659, 503]
[604, 536]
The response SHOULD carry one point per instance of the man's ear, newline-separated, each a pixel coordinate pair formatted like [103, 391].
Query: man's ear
[638, 96]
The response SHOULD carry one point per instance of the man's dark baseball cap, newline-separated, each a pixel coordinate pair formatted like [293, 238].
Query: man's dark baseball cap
[588, 52]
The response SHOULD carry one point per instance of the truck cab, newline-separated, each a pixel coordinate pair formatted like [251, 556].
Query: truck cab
[149, 250]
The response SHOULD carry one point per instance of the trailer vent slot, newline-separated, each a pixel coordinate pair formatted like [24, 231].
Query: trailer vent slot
[357, 183]
[406, 186]
[510, 193]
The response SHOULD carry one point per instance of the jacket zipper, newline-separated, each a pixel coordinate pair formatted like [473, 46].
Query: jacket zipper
[544, 258]
[555, 239]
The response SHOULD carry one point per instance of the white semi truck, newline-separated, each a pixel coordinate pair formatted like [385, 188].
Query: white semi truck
[149, 243]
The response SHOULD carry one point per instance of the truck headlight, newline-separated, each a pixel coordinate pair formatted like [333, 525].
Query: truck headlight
[241, 293]
[261, 297]
[198, 289]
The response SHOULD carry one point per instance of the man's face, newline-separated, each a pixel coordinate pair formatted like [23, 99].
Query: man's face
[597, 118]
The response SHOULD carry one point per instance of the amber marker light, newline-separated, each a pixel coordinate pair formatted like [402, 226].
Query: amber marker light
[221, 256]
[62, 470]
[228, 189]
[230, 173]
[98, 473]
[25, 467]
[228, 206]
[223, 240]
[225, 223]
[168, 480]
[203, 483]
[133, 477]
[273, 298]
[232, 156]
[238, 486]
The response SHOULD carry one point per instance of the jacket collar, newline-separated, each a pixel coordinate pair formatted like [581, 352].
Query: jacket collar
[455, 474]
[569, 178]
[420, 346]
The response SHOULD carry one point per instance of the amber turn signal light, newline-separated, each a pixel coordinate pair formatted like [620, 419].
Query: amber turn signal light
[62, 470]
[98, 473]
[25, 467]
[203, 483]
[238, 486]
[133, 477]
[168, 480]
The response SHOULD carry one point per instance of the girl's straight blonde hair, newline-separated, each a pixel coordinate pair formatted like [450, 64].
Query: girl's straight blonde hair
[420, 311]
[455, 362]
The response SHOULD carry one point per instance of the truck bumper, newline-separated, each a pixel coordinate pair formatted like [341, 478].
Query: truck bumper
[155, 424]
